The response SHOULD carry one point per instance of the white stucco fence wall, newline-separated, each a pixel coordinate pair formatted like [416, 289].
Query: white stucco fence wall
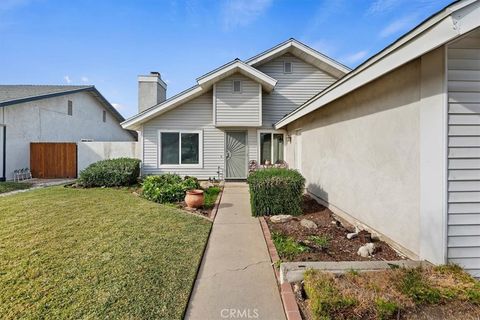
[90, 152]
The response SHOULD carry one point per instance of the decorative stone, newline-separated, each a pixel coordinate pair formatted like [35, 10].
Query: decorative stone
[281, 218]
[352, 235]
[206, 184]
[366, 250]
[298, 290]
[309, 224]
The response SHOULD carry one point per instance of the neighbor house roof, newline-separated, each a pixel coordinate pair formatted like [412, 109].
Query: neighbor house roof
[14, 94]
[444, 26]
[205, 82]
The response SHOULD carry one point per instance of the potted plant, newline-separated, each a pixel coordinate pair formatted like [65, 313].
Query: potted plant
[194, 198]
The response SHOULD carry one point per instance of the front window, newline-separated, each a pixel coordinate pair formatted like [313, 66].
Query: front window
[271, 147]
[179, 148]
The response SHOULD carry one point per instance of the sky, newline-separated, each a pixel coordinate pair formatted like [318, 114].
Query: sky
[108, 43]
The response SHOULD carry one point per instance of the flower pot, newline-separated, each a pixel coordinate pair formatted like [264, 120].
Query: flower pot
[194, 198]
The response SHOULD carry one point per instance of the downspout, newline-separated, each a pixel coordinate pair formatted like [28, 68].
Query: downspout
[4, 162]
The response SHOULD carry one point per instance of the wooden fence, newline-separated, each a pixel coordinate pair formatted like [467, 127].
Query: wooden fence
[53, 160]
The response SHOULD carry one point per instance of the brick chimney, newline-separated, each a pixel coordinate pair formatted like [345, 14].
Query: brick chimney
[152, 90]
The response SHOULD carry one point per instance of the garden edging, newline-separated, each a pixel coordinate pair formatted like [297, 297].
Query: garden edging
[290, 307]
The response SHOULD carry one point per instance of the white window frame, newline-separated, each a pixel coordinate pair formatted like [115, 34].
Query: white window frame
[291, 67]
[233, 86]
[180, 165]
[259, 149]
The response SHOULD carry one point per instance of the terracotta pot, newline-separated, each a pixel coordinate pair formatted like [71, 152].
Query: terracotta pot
[194, 198]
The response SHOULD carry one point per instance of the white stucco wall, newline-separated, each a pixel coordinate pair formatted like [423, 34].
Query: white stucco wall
[374, 154]
[46, 120]
[90, 152]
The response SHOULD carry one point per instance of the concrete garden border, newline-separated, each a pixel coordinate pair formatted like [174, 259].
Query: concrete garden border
[289, 272]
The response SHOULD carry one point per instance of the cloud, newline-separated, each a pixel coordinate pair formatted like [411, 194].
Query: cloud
[397, 26]
[84, 79]
[67, 79]
[240, 13]
[355, 57]
[382, 6]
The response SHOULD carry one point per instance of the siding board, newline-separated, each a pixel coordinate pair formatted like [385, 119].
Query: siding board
[464, 154]
[292, 89]
[241, 108]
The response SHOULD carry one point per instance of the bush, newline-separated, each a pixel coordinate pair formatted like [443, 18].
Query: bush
[168, 188]
[276, 191]
[110, 173]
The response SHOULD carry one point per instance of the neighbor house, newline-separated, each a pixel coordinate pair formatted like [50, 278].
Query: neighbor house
[52, 113]
[392, 146]
[395, 144]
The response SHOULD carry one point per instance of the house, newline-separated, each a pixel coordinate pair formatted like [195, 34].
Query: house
[52, 113]
[226, 120]
[395, 144]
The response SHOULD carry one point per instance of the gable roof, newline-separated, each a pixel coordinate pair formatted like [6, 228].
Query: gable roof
[14, 94]
[305, 53]
[205, 82]
[442, 27]
[267, 82]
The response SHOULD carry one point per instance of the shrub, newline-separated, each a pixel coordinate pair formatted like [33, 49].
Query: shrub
[276, 191]
[168, 188]
[110, 173]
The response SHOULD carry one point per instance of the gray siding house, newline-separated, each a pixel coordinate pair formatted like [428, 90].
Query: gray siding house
[216, 127]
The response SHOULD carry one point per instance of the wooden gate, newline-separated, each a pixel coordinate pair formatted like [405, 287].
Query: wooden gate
[53, 160]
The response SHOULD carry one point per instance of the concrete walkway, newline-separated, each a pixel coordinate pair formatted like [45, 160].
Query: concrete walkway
[236, 279]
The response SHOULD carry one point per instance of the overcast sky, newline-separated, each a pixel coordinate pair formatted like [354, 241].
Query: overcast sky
[108, 43]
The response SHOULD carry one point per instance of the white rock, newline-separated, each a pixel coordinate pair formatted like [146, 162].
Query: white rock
[206, 184]
[352, 235]
[309, 224]
[281, 218]
[366, 250]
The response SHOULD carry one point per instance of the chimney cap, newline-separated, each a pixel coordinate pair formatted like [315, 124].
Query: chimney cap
[155, 73]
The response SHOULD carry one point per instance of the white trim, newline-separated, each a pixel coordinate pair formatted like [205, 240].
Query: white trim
[292, 45]
[445, 156]
[441, 28]
[189, 94]
[260, 105]
[259, 147]
[237, 66]
[179, 166]
[214, 104]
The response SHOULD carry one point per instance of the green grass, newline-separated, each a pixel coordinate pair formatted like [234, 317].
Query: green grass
[210, 197]
[8, 186]
[286, 246]
[96, 253]
[321, 241]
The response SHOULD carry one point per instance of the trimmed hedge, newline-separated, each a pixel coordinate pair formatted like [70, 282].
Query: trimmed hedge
[110, 173]
[276, 191]
[168, 188]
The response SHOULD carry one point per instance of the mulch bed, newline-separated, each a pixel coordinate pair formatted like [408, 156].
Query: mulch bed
[340, 248]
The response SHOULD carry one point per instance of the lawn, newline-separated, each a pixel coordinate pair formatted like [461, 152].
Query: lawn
[96, 253]
[12, 186]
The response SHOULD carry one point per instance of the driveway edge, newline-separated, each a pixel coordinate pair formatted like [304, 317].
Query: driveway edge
[290, 306]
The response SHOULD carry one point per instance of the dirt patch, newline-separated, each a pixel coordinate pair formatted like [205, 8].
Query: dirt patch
[338, 247]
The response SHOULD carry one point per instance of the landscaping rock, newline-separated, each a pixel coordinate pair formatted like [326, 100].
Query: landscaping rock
[366, 250]
[298, 290]
[352, 235]
[206, 184]
[309, 224]
[281, 218]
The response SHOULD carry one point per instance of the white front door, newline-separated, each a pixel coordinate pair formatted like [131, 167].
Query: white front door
[298, 150]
